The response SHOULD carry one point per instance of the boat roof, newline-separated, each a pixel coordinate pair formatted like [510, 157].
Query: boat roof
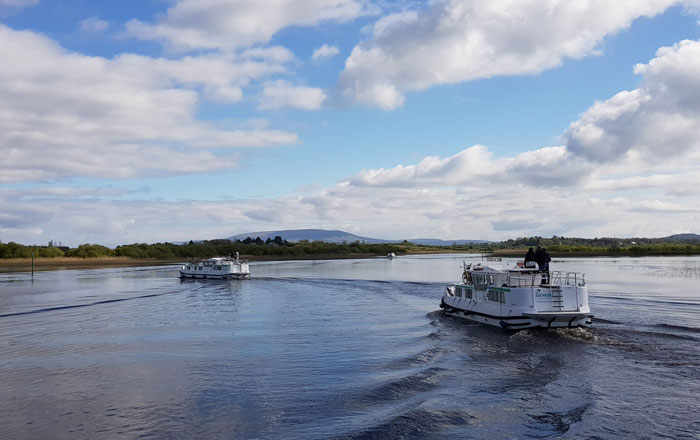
[212, 260]
[489, 269]
[483, 269]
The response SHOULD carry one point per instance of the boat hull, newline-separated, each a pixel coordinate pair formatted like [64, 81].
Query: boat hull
[524, 320]
[229, 276]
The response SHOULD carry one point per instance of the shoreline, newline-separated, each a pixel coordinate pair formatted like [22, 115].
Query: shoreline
[70, 263]
[18, 265]
[12, 265]
[518, 253]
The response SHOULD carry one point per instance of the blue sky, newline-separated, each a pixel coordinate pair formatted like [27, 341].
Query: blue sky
[147, 121]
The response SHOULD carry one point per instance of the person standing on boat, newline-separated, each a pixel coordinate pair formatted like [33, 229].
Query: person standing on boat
[530, 258]
[547, 259]
[542, 258]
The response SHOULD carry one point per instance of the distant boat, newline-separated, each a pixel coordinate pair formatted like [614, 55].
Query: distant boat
[391, 255]
[519, 298]
[221, 268]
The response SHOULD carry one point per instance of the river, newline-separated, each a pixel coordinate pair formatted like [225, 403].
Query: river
[343, 349]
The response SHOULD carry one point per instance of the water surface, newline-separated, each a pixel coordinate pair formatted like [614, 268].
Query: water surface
[343, 349]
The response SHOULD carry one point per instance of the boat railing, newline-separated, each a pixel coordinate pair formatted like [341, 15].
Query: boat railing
[568, 278]
[524, 279]
[555, 278]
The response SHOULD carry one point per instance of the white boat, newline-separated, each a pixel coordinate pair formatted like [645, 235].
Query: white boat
[216, 268]
[391, 255]
[519, 298]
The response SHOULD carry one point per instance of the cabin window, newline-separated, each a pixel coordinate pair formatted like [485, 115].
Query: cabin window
[479, 281]
[467, 292]
[489, 280]
[217, 267]
[496, 296]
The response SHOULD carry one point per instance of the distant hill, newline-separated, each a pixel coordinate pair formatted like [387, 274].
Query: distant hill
[336, 236]
[294, 235]
[684, 238]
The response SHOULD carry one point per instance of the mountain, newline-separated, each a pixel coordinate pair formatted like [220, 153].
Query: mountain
[684, 238]
[334, 236]
[337, 236]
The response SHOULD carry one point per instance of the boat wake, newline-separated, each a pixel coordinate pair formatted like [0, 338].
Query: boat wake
[605, 321]
[424, 357]
[678, 328]
[406, 386]
[91, 304]
[587, 335]
[558, 422]
[416, 423]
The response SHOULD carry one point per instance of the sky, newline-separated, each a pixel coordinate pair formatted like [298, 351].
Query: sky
[171, 120]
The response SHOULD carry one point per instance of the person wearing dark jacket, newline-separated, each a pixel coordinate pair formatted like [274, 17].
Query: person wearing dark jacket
[547, 259]
[530, 258]
[542, 258]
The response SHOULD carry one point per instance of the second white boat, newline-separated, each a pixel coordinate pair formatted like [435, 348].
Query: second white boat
[217, 268]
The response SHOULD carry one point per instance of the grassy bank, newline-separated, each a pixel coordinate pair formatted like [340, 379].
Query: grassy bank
[631, 251]
[65, 263]
[62, 263]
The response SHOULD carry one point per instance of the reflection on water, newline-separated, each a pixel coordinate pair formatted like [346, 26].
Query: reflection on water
[343, 349]
[664, 269]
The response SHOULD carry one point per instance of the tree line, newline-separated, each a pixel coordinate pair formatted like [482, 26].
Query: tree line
[276, 247]
[598, 242]
[607, 245]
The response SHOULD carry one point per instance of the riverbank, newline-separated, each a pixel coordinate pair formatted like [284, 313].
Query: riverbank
[67, 263]
[598, 253]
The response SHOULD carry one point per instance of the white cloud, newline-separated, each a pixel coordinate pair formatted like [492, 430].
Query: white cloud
[223, 24]
[485, 209]
[431, 170]
[451, 41]
[660, 206]
[472, 194]
[324, 52]
[64, 114]
[280, 94]
[658, 122]
[94, 24]
[226, 94]
[64, 191]
[544, 167]
[212, 70]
